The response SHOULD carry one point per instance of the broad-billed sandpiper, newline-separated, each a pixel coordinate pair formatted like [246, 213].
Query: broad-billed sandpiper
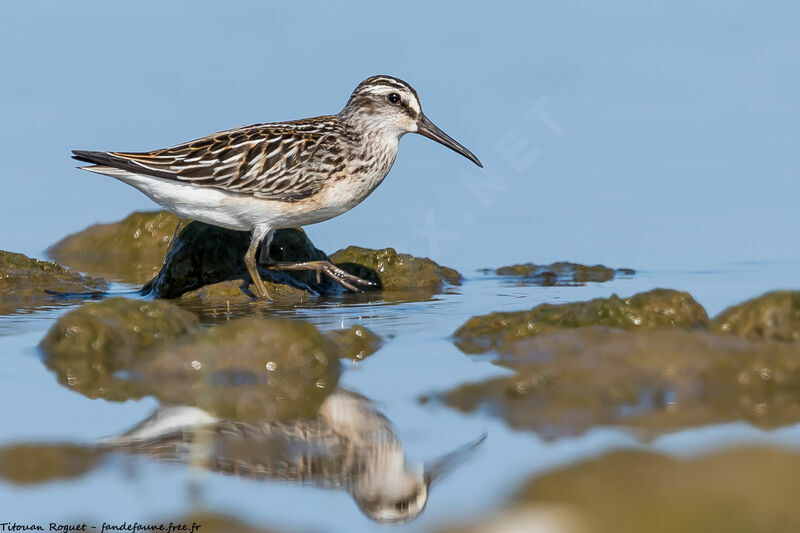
[262, 177]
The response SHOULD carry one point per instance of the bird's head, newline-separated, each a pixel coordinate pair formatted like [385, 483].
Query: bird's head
[391, 106]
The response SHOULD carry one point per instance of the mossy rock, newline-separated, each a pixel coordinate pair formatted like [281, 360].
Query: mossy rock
[356, 342]
[131, 250]
[395, 272]
[26, 283]
[659, 308]
[89, 345]
[29, 464]
[650, 381]
[250, 369]
[563, 273]
[772, 316]
[205, 255]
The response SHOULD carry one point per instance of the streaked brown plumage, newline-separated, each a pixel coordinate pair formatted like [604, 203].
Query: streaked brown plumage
[267, 176]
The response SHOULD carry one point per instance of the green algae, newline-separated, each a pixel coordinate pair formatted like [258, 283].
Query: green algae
[27, 283]
[771, 316]
[659, 308]
[394, 271]
[131, 250]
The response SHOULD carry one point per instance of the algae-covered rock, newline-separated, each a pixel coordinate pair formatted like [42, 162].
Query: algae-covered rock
[205, 255]
[562, 273]
[26, 283]
[659, 308]
[355, 342]
[772, 316]
[393, 271]
[28, 464]
[89, 345]
[131, 250]
[251, 369]
[649, 380]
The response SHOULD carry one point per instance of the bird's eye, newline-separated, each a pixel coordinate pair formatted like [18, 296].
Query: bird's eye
[394, 98]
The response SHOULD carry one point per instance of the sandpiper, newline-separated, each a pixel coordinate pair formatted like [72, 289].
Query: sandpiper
[263, 177]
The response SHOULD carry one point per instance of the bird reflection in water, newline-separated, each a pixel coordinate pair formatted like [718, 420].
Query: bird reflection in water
[348, 446]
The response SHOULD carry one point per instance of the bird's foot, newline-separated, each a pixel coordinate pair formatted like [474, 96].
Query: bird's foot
[340, 276]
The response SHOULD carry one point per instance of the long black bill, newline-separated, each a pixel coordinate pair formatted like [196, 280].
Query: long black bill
[431, 131]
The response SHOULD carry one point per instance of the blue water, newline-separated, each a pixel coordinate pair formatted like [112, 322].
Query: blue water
[660, 137]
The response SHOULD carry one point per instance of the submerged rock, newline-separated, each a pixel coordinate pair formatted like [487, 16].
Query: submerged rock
[356, 342]
[393, 271]
[88, 346]
[659, 308]
[131, 250]
[28, 464]
[649, 380]
[562, 273]
[204, 255]
[252, 369]
[26, 283]
[740, 490]
[771, 316]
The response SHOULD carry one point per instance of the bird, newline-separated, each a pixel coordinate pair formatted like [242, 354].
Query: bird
[267, 176]
[349, 446]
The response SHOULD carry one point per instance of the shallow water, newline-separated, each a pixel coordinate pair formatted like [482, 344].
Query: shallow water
[417, 359]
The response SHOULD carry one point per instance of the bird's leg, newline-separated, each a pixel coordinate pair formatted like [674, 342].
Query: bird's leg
[250, 258]
[182, 223]
[345, 279]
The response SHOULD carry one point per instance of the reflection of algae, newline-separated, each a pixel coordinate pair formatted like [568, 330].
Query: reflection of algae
[26, 283]
[659, 308]
[355, 342]
[562, 273]
[250, 368]
[88, 346]
[651, 381]
[27, 464]
[257, 369]
[743, 490]
[131, 250]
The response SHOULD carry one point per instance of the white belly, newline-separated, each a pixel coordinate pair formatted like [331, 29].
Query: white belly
[241, 212]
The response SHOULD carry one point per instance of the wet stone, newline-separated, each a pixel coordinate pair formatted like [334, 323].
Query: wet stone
[205, 255]
[772, 316]
[659, 308]
[393, 271]
[562, 273]
[131, 250]
[649, 381]
[355, 342]
[88, 346]
[26, 283]
[250, 369]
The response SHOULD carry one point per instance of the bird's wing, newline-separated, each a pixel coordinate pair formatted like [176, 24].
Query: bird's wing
[279, 161]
